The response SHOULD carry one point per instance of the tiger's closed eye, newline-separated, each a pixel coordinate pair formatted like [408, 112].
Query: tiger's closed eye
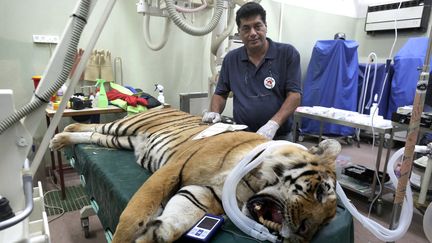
[303, 228]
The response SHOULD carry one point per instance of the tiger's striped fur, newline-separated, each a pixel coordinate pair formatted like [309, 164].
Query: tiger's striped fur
[293, 190]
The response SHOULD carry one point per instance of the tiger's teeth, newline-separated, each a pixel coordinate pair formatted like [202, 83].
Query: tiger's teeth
[257, 207]
[270, 224]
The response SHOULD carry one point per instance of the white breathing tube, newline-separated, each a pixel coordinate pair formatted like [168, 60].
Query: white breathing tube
[229, 200]
[260, 232]
[372, 57]
[376, 229]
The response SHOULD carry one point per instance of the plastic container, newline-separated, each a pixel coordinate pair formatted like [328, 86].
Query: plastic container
[417, 173]
[374, 111]
[36, 80]
[160, 89]
[161, 98]
[60, 93]
[59, 96]
[55, 105]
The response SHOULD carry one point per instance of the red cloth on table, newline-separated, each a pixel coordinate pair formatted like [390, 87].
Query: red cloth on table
[130, 99]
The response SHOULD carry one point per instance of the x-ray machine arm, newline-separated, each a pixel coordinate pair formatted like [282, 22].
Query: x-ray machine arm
[17, 127]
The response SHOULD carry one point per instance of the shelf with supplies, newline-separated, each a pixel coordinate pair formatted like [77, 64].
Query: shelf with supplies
[402, 117]
[360, 187]
[358, 179]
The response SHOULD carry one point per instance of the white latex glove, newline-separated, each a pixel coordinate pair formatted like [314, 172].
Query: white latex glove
[211, 117]
[269, 129]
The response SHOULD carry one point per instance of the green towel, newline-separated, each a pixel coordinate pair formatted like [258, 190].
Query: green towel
[102, 98]
[131, 110]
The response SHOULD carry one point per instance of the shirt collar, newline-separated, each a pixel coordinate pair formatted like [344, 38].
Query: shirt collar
[271, 52]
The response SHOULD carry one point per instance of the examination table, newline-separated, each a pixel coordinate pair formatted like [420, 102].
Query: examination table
[112, 176]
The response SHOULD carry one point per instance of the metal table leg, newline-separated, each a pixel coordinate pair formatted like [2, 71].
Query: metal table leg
[321, 131]
[390, 144]
[59, 165]
[295, 127]
[377, 165]
[53, 164]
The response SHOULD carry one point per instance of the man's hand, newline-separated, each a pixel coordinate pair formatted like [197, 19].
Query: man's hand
[211, 117]
[269, 129]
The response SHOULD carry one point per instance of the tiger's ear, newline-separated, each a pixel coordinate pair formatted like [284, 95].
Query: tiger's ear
[327, 148]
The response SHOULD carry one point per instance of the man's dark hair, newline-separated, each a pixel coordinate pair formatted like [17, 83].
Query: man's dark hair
[250, 9]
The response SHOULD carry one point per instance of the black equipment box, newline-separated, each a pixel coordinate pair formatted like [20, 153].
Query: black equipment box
[363, 173]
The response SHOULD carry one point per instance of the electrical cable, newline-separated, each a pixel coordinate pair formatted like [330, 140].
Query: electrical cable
[396, 32]
[62, 211]
[390, 57]
[377, 196]
[388, 62]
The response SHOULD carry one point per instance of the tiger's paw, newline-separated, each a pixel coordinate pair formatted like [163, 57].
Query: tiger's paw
[59, 141]
[156, 231]
[75, 127]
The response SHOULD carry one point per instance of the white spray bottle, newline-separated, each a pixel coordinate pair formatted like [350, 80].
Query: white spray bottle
[160, 97]
[374, 109]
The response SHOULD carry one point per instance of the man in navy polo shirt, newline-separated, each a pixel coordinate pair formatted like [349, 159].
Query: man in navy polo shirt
[264, 77]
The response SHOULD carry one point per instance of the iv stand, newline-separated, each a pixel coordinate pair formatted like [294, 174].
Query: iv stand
[412, 135]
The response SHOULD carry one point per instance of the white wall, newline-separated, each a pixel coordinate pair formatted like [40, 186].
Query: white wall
[337, 7]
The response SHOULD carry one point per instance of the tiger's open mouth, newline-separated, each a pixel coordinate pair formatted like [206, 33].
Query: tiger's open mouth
[267, 210]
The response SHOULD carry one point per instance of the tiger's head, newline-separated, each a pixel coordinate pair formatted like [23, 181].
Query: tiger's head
[299, 195]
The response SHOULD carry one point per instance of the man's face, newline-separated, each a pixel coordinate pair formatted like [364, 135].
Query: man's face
[252, 32]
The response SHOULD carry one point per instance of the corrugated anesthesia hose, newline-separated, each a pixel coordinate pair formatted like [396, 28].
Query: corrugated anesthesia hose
[80, 20]
[229, 200]
[375, 228]
[258, 231]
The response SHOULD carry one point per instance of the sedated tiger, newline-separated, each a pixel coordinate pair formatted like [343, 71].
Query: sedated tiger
[292, 191]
